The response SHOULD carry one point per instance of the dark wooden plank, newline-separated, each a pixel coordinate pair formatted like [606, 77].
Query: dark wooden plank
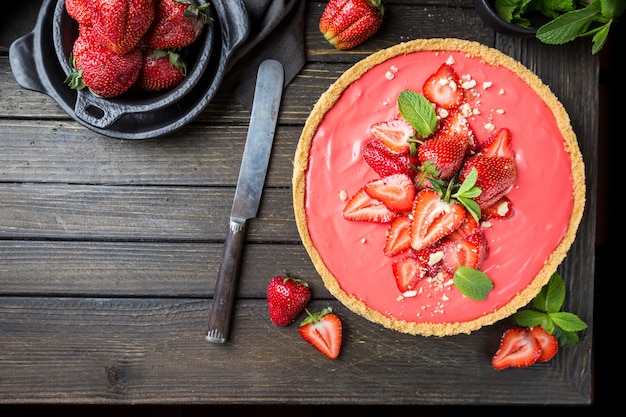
[198, 155]
[144, 269]
[131, 351]
[137, 213]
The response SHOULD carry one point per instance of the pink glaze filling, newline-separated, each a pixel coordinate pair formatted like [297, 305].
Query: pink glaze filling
[542, 195]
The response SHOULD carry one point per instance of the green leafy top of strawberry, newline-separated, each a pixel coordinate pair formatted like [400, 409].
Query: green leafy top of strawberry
[546, 312]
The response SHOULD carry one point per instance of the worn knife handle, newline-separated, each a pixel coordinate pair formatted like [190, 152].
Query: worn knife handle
[226, 286]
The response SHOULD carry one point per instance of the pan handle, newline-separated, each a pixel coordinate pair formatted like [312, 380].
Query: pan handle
[96, 111]
[23, 65]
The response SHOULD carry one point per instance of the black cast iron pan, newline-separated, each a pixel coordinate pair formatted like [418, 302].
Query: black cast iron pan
[39, 61]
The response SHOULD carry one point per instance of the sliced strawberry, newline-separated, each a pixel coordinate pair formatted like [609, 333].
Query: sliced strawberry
[517, 348]
[498, 144]
[323, 331]
[396, 191]
[362, 207]
[447, 153]
[408, 271]
[384, 163]
[433, 218]
[496, 175]
[432, 257]
[501, 209]
[398, 238]
[395, 135]
[467, 227]
[548, 342]
[443, 88]
[469, 251]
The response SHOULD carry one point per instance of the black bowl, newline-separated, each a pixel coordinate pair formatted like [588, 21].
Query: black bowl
[40, 62]
[486, 11]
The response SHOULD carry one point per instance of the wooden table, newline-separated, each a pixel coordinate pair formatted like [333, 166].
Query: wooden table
[109, 252]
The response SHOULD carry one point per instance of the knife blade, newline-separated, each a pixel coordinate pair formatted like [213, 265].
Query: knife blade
[256, 155]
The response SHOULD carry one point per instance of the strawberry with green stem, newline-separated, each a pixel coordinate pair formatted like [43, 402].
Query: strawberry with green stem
[323, 330]
[286, 297]
[177, 24]
[162, 69]
[348, 23]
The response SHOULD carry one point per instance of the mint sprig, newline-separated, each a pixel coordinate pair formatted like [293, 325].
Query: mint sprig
[546, 312]
[467, 192]
[570, 19]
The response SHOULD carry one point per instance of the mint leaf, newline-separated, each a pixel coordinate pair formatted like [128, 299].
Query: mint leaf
[551, 297]
[600, 37]
[474, 284]
[418, 111]
[568, 322]
[569, 26]
[611, 9]
[566, 339]
[530, 318]
[467, 191]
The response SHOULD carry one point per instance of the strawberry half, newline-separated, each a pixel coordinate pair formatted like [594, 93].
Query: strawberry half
[498, 144]
[467, 227]
[548, 342]
[496, 175]
[287, 297]
[384, 163]
[518, 348]
[396, 191]
[348, 23]
[446, 153]
[468, 251]
[398, 238]
[456, 124]
[395, 134]
[444, 88]
[408, 271]
[323, 331]
[433, 218]
[362, 207]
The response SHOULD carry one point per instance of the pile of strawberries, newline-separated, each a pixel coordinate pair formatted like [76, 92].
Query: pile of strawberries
[138, 44]
[436, 183]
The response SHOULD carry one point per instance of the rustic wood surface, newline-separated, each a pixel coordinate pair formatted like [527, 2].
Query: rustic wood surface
[109, 252]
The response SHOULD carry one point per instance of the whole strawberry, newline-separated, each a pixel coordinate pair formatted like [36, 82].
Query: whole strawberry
[287, 297]
[177, 23]
[348, 23]
[106, 73]
[79, 10]
[120, 24]
[162, 70]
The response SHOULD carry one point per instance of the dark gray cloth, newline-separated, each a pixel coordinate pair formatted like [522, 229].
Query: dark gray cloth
[276, 32]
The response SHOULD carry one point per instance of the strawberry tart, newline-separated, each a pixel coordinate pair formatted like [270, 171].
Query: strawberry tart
[437, 186]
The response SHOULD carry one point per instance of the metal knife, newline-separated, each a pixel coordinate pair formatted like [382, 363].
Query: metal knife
[256, 155]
